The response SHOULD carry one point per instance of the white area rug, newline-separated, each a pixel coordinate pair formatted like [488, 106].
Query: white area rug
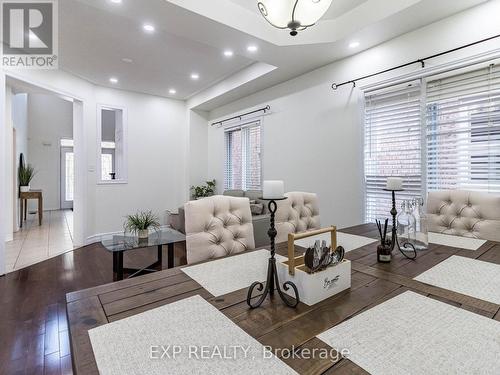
[226, 275]
[413, 334]
[471, 277]
[347, 241]
[456, 241]
[195, 330]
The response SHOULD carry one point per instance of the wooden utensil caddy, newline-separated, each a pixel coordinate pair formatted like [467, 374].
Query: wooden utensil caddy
[314, 287]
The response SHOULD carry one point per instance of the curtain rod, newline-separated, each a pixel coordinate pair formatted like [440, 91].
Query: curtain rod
[265, 109]
[421, 61]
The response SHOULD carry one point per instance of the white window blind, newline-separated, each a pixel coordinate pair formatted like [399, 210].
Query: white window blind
[463, 131]
[243, 167]
[393, 146]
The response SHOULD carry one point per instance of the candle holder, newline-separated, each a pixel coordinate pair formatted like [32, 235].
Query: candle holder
[272, 274]
[394, 235]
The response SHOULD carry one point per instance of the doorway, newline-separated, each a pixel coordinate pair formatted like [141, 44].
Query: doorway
[62, 229]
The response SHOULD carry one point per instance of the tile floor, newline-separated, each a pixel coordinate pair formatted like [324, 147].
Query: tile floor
[35, 243]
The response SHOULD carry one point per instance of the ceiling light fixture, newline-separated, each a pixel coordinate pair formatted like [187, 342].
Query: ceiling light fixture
[228, 53]
[296, 15]
[195, 76]
[113, 80]
[116, 1]
[252, 48]
[127, 60]
[148, 28]
[354, 44]
[172, 91]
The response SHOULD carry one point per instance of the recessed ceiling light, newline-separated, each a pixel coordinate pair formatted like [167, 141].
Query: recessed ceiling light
[116, 1]
[127, 60]
[195, 76]
[113, 80]
[172, 91]
[354, 44]
[148, 28]
[228, 53]
[252, 48]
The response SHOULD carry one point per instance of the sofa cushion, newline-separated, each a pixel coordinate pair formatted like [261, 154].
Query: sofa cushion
[218, 226]
[234, 193]
[256, 208]
[254, 195]
[464, 213]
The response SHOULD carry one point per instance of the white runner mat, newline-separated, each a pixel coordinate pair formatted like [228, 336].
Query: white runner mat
[471, 277]
[456, 241]
[185, 337]
[413, 334]
[226, 275]
[347, 241]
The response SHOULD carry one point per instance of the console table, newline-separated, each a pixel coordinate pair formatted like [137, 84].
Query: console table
[23, 197]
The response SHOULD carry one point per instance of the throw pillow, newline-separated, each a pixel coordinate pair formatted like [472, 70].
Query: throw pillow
[256, 208]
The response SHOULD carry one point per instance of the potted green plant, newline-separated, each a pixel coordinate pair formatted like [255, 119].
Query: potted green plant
[202, 191]
[25, 175]
[140, 222]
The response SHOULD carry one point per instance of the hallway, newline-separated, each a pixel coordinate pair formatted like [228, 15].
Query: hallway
[34, 243]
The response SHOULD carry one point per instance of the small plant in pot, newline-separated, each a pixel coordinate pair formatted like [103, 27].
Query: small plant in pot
[25, 175]
[203, 191]
[141, 222]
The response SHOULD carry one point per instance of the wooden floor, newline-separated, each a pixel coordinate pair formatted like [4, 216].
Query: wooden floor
[33, 325]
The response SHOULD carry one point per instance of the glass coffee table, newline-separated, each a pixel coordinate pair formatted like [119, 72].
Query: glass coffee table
[119, 244]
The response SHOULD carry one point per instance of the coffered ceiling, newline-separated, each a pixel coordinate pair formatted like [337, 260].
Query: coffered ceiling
[100, 39]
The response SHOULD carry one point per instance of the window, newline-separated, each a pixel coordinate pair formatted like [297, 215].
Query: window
[463, 131]
[392, 146]
[444, 136]
[106, 165]
[67, 176]
[69, 179]
[243, 166]
[111, 134]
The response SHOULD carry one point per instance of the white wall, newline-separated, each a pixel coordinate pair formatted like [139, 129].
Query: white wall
[312, 139]
[3, 177]
[50, 119]
[156, 164]
[9, 168]
[20, 123]
[198, 148]
[310, 142]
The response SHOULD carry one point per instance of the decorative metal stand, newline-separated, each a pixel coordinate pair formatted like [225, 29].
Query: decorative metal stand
[272, 275]
[394, 236]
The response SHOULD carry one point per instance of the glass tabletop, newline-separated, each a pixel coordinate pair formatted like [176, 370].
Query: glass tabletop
[129, 242]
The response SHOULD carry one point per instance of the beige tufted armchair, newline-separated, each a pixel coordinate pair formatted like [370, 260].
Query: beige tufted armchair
[298, 213]
[217, 226]
[464, 213]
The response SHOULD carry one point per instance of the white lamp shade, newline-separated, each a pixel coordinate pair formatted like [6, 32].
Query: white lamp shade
[280, 13]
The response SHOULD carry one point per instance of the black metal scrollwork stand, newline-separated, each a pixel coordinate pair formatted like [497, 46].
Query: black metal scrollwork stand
[407, 246]
[272, 275]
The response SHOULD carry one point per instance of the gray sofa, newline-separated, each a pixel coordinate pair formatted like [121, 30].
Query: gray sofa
[260, 222]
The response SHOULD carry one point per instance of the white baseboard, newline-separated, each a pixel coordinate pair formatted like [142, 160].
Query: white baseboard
[99, 237]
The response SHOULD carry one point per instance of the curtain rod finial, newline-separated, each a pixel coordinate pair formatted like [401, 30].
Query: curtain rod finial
[334, 86]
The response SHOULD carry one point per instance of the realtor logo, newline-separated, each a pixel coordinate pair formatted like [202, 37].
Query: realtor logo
[29, 34]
